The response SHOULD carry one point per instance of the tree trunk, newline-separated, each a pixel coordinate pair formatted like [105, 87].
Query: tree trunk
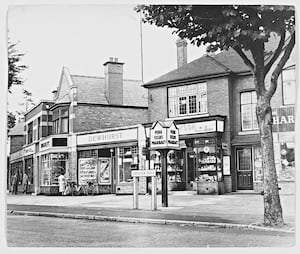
[272, 206]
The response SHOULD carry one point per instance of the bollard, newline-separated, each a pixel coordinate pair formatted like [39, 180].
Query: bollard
[135, 193]
[153, 194]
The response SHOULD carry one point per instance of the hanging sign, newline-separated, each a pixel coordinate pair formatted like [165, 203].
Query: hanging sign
[164, 135]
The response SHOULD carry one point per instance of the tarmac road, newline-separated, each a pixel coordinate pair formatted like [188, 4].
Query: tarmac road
[34, 231]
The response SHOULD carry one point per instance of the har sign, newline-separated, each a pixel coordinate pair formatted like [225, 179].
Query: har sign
[164, 135]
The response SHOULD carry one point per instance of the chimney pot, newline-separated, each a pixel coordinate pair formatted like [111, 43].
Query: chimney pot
[111, 59]
[116, 59]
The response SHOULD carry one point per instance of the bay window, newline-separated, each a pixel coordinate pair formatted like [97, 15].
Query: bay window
[61, 120]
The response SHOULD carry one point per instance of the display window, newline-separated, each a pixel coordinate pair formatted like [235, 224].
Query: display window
[53, 165]
[127, 161]
[95, 166]
[287, 159]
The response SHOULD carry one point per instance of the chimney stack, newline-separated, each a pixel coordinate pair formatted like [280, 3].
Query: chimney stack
[181, 52]
[54, 94]
[114, 81]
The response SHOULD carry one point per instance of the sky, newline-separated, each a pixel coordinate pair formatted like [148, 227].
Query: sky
[82, 38]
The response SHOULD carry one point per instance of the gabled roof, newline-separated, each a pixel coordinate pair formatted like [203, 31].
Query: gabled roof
[91, 89]
[18, 129]
[203, 66]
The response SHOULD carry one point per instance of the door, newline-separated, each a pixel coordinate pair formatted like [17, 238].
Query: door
[191, 173]
[244, 169]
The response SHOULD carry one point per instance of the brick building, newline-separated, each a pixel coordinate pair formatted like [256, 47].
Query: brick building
[212, 100]
[84, 106]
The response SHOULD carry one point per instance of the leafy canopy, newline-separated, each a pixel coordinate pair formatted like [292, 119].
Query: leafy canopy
[222, 26]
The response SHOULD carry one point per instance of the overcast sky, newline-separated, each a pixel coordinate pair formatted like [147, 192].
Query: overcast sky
[82, 38]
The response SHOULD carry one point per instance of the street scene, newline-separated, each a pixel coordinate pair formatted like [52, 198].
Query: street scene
[114, 143]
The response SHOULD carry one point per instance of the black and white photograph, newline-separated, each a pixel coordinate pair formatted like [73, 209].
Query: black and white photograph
[149, 125]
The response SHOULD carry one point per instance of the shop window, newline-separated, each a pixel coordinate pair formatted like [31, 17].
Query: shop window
[187, 100]
[52, 166]
[288, 86]
[127, 161]
[248, 111]
[287, 154]
[61, 120]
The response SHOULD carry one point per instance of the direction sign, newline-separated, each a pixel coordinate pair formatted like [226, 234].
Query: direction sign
[137, 173]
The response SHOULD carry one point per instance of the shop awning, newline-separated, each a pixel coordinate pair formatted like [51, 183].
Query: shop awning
[245, 140]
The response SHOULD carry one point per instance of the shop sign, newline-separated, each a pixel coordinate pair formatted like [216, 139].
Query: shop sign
[283, 119]
[226, 165]
[104, 171]
[107, 137]
[164, 135]
[16, 155]
[201, 127]
[87, 170]
[139, 173]
[45, 144]
[29, 150]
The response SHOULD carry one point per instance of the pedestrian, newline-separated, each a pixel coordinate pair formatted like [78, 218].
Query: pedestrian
[14, 183]
[62, 184]
[25, 183]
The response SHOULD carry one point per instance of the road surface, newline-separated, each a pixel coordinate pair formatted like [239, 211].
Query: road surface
[34, 231]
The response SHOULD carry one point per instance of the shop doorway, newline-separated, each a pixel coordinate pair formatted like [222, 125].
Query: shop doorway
[191, 173]
[244, 169]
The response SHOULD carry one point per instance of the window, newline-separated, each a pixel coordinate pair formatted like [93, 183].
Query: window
[30, 133]
[128, 160]
[187, 100]
[288, 86]
[61, 120]
[248, 111]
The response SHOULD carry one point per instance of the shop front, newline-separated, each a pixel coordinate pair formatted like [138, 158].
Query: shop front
[54, 161]
[106, 159]
[198, 164]
[248, 155]
[28, 162]
[16, 166]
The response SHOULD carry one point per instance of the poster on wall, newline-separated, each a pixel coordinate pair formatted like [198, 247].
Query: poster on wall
[87, 170]
[104, 171]
[226, 165]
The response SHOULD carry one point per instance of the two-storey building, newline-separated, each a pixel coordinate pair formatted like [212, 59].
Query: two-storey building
[212, 100]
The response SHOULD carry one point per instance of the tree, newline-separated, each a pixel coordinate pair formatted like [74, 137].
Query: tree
[14, 65]
[15, 68]
[247, 30]
[28, 101]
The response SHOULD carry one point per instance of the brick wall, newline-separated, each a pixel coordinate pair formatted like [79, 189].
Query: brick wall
[16, 143]
[98, 117]
[157, 102]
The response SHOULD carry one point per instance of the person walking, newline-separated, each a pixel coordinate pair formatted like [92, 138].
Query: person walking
[14, 183]
[25, 183]
[62, 184]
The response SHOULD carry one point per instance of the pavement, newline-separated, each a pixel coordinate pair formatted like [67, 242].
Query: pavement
[233, 210]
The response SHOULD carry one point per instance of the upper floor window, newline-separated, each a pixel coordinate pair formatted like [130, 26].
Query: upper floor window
[187, 100]
[288, 86]
[61, 120]
[248, 111]
[30, 133]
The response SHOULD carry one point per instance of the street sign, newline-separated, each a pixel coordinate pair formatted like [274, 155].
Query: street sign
[138, 173]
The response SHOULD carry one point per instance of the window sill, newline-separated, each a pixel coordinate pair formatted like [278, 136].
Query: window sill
[248, 132]
[187, 116]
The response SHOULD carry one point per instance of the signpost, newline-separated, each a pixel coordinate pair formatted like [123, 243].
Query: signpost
[164, 136]
[143, 173]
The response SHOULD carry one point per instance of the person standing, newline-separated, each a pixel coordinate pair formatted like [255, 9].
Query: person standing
[14, 183]
[62, 184]
[25, 183]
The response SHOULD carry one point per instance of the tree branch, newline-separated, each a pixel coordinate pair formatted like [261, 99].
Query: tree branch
[244, 57]
[280, 65]
[276, 54]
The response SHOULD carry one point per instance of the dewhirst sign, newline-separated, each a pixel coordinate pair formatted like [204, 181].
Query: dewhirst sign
[164, 135]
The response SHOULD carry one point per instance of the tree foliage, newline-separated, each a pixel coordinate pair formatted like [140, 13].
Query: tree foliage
[11, 120]
[247, 29]
[15, 68]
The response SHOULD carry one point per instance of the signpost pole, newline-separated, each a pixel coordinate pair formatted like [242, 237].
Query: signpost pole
[164, 178]
[135, 193]
[153, 196]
